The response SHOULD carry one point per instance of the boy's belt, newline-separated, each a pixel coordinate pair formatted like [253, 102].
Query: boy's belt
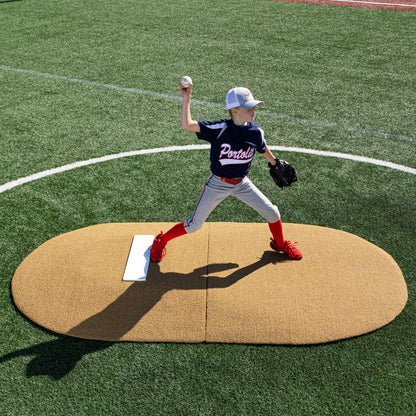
[233, 181]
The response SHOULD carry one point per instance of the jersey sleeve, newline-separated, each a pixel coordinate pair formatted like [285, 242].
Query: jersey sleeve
[211, 130]
[257, 138]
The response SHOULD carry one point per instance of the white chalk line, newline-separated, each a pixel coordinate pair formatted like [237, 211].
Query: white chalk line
[207, 103]
[75, 165]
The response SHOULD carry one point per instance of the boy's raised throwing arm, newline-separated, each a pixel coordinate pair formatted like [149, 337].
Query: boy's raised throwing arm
[187, 122]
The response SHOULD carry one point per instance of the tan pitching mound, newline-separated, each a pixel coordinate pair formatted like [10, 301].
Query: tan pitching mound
[221, 284]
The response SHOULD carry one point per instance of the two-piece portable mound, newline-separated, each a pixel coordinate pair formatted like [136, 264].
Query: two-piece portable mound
[221, 284]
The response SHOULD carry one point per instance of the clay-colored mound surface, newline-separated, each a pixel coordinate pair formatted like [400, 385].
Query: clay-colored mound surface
[221, 284]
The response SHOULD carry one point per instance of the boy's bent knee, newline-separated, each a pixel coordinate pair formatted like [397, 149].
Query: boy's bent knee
[274, 215]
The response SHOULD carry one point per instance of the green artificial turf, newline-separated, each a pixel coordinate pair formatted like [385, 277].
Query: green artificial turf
[100, 78]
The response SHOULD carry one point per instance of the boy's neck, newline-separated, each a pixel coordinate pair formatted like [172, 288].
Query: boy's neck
[239, 122]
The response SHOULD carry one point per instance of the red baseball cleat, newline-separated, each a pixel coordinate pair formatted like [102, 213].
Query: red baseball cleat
[288, 248]
[158, 250]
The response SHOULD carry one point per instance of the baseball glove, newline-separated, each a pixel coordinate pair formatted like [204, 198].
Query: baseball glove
[283, 173]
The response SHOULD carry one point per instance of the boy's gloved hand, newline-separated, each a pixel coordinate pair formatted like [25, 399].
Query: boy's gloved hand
[283, 173]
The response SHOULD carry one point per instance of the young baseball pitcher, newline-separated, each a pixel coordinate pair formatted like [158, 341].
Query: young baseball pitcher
[233, 144]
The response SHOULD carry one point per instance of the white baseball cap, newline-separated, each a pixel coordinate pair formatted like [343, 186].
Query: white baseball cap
[240, 97]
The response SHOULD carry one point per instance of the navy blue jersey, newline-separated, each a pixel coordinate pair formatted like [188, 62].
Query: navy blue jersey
[232, 146]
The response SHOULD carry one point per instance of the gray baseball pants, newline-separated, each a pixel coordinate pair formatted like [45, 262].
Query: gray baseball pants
[216, 190]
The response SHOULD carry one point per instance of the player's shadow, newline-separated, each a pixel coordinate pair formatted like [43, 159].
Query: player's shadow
[128, 309]
[56, 358]
[8, 1]
[59, 357]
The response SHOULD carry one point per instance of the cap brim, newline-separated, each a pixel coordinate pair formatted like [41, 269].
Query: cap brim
[251, 104]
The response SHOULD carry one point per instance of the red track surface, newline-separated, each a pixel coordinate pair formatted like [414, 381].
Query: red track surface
[402, 5]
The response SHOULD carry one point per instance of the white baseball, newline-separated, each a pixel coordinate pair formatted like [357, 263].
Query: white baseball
[185, 81]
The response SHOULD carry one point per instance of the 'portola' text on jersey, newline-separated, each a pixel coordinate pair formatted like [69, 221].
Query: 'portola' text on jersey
[232, 146]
